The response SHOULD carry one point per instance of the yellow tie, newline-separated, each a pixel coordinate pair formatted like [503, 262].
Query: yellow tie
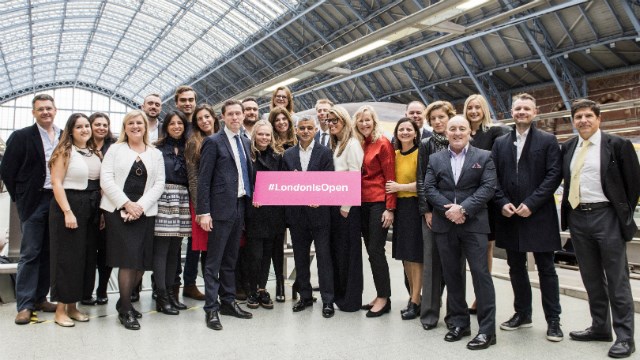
[574, 189]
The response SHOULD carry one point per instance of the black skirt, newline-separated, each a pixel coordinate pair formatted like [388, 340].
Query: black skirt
[407, 231]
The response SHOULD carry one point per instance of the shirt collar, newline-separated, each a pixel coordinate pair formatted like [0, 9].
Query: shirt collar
[230, 133]
[523, 135]
[462, 153]
[594, 139]
[43, 131]
[311, 144]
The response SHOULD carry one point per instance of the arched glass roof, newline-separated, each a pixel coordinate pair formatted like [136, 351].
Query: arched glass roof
[128, 48]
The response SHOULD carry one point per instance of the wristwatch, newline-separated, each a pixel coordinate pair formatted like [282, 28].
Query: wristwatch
[463, 211]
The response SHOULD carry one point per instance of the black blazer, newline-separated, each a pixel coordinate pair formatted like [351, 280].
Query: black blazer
[620, 176]
[475, 187]
[218, 177]
[532, 182]
[23, 169]
[321, 160]
[265, 221]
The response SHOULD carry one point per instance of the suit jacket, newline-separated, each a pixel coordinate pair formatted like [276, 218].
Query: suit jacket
[23, 169]
[321, 160]
[218, 177]
[531, 181]
[620, 174]
[475, 187]
[316, 137]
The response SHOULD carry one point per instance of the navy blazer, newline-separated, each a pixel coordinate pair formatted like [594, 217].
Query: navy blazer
[475, 187]
[620, 174]
[218, 177]
[321, 160]
[531, 181]
[23, 169]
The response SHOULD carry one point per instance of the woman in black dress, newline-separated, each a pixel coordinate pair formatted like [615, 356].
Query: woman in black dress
[75, 172]
[265, 225]
[132, 180]
[483, 135]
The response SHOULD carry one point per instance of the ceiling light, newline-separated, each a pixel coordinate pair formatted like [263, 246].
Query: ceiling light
[283, 83]
[363, 50]
[467, 5]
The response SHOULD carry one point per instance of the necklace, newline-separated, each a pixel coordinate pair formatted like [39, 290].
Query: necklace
[86, 154]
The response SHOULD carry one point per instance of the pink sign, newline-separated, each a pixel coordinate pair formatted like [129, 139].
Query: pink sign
[307, 188]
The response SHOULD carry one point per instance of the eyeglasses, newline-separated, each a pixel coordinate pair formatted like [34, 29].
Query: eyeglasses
[281, 96]
[333, 121]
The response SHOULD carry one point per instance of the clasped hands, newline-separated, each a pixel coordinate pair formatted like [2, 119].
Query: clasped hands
[454, 214]
[509, 210]
[132, 211]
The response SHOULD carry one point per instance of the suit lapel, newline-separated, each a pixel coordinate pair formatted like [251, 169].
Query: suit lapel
[296, 158]
[227, 143]
[467, 160]
[314, 157]
[571, 148]
[605, 155]
[37, 141]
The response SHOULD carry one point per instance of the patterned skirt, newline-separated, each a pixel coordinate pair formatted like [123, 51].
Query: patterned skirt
[174, 217]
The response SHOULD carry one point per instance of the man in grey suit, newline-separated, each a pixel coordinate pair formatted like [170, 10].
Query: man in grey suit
[459, 182]
[601, 190]
[224, 190]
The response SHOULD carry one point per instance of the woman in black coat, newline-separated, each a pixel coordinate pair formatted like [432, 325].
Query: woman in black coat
[265, 225]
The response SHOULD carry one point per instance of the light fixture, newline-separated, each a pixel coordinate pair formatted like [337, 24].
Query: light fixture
[467, 5]
[506, 70]
[588, 51]
[363, 50]
[612, 45]
[283, 83]
[566, 56]
[525, 65]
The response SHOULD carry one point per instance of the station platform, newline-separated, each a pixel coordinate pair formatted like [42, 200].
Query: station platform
[282, 334]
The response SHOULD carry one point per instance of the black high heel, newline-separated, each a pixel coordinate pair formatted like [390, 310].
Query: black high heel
[163, 304]
[280, 289]
[174, 302]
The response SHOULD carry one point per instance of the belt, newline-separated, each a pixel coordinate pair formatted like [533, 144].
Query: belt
[592, 206]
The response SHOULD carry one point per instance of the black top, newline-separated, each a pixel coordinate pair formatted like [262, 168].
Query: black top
[106, 145]
[136, 181]
[484, 139]
[266, 221]
[175, 166]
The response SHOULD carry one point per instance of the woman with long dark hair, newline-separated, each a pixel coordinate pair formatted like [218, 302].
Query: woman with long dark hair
[73, 216]
[132, 181]
[283, 129]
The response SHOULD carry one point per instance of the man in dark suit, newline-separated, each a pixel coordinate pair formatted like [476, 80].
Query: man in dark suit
[224, 190]
[322, 110]
[309, 224]
[529, 168]
[27, 177]
[417, 112]
[601, 190]
[459, 183]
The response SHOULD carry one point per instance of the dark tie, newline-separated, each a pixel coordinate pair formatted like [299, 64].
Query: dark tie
[243, 165]
[323, 139]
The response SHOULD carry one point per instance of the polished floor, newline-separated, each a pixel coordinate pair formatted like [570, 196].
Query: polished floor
[282, 334]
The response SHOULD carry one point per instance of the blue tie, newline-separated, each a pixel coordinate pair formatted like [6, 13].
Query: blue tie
[243, 165]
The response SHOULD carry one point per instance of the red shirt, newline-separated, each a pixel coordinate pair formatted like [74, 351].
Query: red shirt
[378, 167]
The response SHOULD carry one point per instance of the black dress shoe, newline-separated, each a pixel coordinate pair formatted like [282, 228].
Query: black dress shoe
[302, 304]
[327, 310]
[366, 307]
[136, 313]
[279, 290]
[128, 319]
[385, 309]
[589, 335]
[102, 300]
[554, 333]
[517, 321]
[481, 341]
[429, 326]
[213, 320]
[457, 333]
[622, 349]
[413, 311]
[89, 302]
[233, 309]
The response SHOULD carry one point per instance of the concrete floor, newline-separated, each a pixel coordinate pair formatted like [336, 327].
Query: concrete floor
[281, 334]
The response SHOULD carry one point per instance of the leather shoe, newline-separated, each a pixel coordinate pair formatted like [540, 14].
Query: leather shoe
[589, 335]
[137, 314]
[429, 326]
[413, 311]
[481, 341]
[302, 304]
[517, 321]
[622, 349]
[385, 309]
[213, 320]
[234, 309]
[327, 310]
[46, 306]
[128, 319]
[457, 333]
[192, 291]
[64, 323]
[102, 300]
[89, 302]
[23, 317]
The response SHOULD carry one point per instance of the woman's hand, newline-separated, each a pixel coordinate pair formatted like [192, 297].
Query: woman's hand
[392, 187]
[428, 217]
[70, 220]
[133, 209]
[387, 218]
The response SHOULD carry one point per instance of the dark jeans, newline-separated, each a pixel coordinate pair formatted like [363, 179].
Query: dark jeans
[32, 279]
[375, 238]
[549, 287]
[259, 252]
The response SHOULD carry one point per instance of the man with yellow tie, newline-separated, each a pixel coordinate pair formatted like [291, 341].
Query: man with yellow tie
[602, 186]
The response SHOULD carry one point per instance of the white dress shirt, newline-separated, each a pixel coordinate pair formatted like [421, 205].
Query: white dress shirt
[457, 160]
[236, 156]
[48, 146]
[521, 139]
[590, 180]
[305, 155]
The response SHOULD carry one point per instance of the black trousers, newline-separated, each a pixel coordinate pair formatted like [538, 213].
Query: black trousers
[222, 256]
[104, 271]
[602, 257]
[259, 250]
[375, 238]
[549, 287]
[346, 254]
[302, 235]
[451, 247]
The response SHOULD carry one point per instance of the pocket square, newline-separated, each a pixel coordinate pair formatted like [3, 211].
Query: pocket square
[476, 166]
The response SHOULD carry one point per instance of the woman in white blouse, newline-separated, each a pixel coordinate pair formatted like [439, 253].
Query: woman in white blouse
[132, 180]
[73, 218]
[346, 248]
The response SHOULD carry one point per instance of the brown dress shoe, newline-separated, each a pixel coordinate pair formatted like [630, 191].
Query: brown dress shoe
[46, 306]
[192, 291]
[23, 317]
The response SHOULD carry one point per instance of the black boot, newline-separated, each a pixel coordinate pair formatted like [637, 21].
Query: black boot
[280, 289]
[163, 304]
[294, 290]
[174, 301]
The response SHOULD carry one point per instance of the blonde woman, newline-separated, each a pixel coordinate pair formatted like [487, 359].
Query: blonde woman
[346, 248]
[378, 207]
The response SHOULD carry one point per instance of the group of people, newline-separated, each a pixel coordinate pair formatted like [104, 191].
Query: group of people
[85, 198]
